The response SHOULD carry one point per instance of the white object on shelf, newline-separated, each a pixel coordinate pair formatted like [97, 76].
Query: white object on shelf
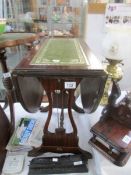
[13, 164]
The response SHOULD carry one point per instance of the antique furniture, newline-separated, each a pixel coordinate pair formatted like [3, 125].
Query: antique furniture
[4, 135]
[58, 66]
[112, 134]
[10, 40]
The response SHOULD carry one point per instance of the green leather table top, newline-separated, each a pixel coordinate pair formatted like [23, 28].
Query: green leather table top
[60, 51]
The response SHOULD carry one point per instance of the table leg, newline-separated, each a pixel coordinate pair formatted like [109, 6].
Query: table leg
[75, 107]
[60, 141]
[4, 136]
[55, 96]
[8, 86]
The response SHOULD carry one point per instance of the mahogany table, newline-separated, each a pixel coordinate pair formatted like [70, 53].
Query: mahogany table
[58, 66]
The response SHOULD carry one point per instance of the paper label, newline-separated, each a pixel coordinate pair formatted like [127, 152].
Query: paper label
[6, 75]
[126, 139]
[70, 85]
[78, 163]
[55, 159]
[118, 14]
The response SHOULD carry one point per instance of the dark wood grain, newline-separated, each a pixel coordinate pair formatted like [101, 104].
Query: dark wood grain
[111, 133]
[93, 68]
[5, 133]
[114, 126]
[53, 78]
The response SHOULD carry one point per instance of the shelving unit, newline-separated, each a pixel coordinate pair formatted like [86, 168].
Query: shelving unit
[61, 17]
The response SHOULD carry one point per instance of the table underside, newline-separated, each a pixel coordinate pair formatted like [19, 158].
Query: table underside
[60, 51]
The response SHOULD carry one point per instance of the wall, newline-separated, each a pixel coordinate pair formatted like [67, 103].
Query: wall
[95, 33]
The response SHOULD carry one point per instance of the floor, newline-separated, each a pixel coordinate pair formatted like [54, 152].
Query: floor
[82, 121]
[98, 165]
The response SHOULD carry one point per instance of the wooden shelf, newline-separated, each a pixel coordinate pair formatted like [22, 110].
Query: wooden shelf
[96, 8]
